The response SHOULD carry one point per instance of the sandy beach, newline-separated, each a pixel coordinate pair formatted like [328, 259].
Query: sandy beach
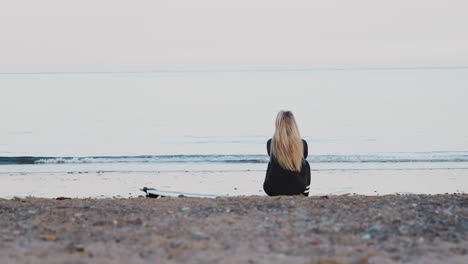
[327, 229]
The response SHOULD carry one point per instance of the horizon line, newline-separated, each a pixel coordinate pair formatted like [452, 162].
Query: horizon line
[242, 70]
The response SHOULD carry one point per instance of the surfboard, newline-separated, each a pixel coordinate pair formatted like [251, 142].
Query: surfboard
[155, 193]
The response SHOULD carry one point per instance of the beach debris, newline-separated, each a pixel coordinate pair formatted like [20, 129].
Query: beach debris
[324, 197]
[62, 207]
[185, 209]
[63, 198]
[19, 199]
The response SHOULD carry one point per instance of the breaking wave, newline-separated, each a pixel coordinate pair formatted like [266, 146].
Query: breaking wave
[378, 158]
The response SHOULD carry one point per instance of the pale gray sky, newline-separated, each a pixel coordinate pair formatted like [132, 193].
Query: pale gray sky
[115, 35]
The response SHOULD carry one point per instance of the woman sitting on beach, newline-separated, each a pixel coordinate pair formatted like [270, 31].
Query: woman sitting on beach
[288, 171]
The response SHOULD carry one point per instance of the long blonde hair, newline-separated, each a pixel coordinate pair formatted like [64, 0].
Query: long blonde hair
[286, 144]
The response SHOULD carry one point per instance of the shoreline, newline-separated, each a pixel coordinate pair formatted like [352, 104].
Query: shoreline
[250, 229]
[234, 183]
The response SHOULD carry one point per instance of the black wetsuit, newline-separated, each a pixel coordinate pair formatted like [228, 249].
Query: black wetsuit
[280, 181]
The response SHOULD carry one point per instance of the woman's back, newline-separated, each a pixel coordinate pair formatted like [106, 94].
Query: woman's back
[282, 181]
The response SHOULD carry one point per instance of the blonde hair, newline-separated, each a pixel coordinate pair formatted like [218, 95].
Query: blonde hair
[286, 145]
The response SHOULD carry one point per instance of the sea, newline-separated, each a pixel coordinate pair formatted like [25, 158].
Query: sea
[108, 134]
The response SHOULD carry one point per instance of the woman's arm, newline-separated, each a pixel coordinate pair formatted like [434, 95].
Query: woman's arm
[268, 146]
[306, 149]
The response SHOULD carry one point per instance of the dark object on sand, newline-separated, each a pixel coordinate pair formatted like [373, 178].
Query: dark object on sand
[150, 195]
[155, 193]
[63, 198]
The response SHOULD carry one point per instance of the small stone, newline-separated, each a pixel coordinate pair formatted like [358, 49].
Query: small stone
[228, 221]
[403, 229]
[125, 229]
[199, 235]
[185, 209]
[447, 212]
[176, 243]
[49, 238]
[72, 247]
[379, 260]
[366, 236]
[374, 228]
[79, 248]
[314, 243]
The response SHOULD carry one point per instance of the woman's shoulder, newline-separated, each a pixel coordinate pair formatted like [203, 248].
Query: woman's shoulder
[303, 141]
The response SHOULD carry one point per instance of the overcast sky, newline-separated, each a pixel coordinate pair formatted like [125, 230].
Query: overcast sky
[115, 35]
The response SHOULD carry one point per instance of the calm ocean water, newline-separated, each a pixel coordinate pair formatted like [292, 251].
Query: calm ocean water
[353, 120]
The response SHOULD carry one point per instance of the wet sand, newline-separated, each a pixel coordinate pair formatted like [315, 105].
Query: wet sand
[327, 229]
